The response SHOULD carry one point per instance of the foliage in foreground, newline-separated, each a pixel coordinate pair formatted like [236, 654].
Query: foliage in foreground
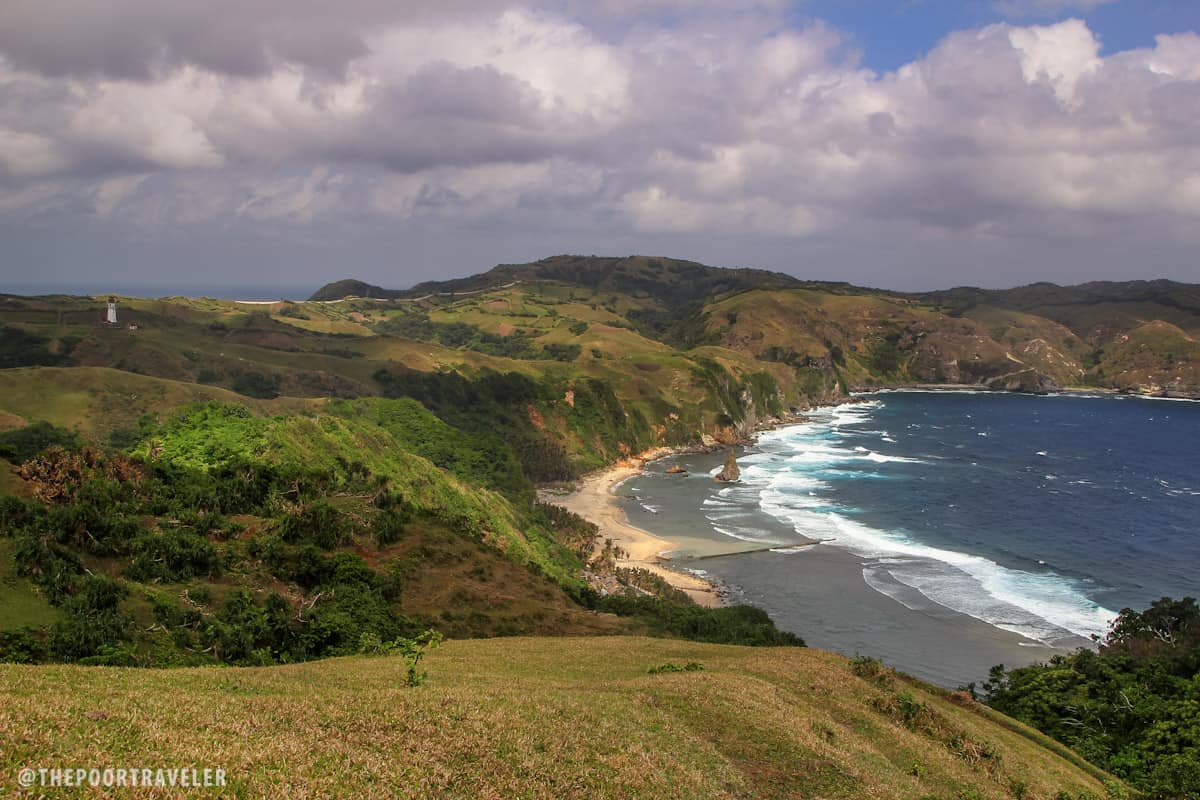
[234, 539]
[741, 625]
[1132, 708]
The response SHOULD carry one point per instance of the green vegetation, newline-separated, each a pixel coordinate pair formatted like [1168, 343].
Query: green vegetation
[742, 625]
[18, 348]
[265, 540]
[22, 444]
[1130, 708]
[691, 666]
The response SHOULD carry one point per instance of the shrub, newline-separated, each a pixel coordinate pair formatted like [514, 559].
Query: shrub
[21, 646]
[93, 620]
[171, 556]
[17, 513]
[51, 566]
[744, 625]
[388, 527]
[872, 669]
[690, 666]
[243, 629]
[562, 352]
[318, 523]
[413, 650]
[256, 384]
[22, 444]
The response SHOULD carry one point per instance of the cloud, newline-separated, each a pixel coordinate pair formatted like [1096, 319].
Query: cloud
[486, 118]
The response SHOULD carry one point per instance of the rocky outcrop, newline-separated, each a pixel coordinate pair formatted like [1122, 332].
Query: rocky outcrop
[731, 471]
[1027, 380]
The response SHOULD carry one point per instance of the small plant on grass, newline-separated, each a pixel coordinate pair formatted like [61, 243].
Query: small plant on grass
[824, 731]
[690, 666]
[871, 669]
[413, 650]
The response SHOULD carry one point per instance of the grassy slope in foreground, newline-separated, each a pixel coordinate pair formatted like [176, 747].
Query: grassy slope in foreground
[536, 718]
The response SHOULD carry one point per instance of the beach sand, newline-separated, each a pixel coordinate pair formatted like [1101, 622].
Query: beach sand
[595, 501]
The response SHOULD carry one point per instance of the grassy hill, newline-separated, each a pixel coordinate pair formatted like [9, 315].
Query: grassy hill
[539, 718]
[1035, 337]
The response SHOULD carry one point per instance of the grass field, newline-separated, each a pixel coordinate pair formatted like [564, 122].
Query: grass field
[552, 718]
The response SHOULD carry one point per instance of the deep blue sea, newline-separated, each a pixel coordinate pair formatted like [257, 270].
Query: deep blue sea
[1043, 516]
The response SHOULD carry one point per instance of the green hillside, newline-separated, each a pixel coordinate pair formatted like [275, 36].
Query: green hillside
[552, 718]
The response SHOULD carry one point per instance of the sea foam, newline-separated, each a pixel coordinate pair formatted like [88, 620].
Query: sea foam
[786, 476]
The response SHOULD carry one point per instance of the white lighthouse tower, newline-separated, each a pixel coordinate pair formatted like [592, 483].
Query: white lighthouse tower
[111, 317]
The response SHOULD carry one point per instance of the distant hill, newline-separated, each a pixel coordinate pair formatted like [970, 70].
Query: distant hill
[667, 280]
[352, 288]
[1136, 336]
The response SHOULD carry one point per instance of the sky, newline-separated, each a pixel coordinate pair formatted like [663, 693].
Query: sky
[913, 144]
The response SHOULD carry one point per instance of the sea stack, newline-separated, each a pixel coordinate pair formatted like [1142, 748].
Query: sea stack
[730, 472]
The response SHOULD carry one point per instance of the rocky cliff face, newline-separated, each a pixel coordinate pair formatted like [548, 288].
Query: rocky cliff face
[1029, 380]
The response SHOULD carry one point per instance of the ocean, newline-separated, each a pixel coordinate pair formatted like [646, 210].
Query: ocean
[953, 529]
[253, 293]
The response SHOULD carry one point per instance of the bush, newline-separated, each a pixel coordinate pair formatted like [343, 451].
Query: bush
[256, 384]
[388, 528]
[562, 352]
[171, 556]
[318, 523]
[17, 513]
[21, 349]
[691, 666]
[743, 625]
[244, 630]
[52, 567]
[21, 646]
[22, 444]
[93, 620]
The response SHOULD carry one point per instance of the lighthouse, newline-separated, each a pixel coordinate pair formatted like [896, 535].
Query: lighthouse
[111, 317]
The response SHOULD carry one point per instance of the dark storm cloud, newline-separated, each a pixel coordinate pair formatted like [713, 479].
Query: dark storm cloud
[137, 38]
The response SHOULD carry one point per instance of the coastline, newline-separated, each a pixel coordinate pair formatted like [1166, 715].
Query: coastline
[1065, 391]
[596, 502]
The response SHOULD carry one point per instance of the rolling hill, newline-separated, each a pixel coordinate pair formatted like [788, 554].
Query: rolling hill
[255, 485]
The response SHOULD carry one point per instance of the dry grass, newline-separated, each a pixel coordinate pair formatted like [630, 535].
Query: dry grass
[532, 718]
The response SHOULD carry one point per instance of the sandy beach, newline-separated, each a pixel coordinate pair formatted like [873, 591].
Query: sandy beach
[594, 501]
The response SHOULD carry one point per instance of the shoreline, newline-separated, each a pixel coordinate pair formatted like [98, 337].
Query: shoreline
[595, 499]
[979, 388]
[596, 502]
